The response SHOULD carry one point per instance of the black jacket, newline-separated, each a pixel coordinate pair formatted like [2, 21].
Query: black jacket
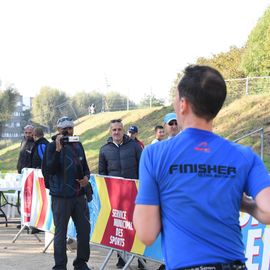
[65, 167]
[120, 160]
[24, 160]
[38, 152]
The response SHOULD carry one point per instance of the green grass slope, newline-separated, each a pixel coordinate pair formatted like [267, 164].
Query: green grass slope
[240, 117]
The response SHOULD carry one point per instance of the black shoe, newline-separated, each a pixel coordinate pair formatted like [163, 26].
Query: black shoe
[162, 267]
[85, 267]
[121, 263]
[35, 230]
[140, 265]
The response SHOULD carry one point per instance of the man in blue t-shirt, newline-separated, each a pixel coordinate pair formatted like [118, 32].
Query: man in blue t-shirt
[193, 186]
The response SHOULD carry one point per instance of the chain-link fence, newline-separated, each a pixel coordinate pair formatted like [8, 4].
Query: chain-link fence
[247, 86]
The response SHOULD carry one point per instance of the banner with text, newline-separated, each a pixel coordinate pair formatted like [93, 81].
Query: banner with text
[111, 216]
[111, 212]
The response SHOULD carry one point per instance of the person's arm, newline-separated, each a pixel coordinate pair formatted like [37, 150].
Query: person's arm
[85, 166]
[138, 150]
[53, 158]
[86, 172]
[102, 164]
[147, 217]
[258, 208]
[147, 222]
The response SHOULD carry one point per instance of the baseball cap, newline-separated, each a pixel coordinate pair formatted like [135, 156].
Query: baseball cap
[169, 117]
[65, 122]
[28, 127]
[133, 129]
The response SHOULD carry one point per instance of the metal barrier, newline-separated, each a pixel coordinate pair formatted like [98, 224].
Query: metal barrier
[261, 131]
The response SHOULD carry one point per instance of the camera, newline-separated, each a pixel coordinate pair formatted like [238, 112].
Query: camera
[68, 139]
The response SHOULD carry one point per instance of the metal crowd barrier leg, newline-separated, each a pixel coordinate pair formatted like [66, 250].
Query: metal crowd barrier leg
[142, 261]
[107, 259]
[21, 230]
[19, 233]
[128, 263]
[44, 250]
[39, 240]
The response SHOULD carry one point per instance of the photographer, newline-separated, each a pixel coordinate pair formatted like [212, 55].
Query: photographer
[69, 175]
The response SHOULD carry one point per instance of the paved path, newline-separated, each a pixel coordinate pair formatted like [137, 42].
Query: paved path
[26, 253]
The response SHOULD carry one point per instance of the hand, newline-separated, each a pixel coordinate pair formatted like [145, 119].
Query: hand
[58, 143]
[83, 182]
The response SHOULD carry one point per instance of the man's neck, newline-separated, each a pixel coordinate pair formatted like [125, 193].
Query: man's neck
[118, 142]
[199, 123]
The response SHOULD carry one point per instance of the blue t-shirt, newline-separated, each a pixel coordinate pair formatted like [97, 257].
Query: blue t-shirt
[198, 178]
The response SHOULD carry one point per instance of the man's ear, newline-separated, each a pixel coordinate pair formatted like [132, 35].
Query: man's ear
[183, 105]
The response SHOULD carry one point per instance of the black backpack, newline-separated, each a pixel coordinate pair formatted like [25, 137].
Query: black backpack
[44, 169]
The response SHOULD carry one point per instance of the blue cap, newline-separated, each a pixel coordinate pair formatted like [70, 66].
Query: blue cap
[133, 129]
[169, 117]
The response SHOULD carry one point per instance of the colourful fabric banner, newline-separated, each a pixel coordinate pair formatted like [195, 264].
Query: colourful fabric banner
[111, 212]
[41, 214]
[256, 237]
[26, 198]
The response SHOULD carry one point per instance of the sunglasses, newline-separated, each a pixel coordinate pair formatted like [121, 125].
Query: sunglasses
[172, 123]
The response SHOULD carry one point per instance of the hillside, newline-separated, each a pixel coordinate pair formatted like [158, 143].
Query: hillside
[239, 118]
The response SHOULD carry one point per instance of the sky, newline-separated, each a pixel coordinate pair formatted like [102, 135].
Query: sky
[133, 47]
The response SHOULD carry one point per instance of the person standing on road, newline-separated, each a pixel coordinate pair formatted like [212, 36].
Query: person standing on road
[200, 178]
[69, 178]
[120, 157]
[38, 148]
[27, 144]
[37, 153]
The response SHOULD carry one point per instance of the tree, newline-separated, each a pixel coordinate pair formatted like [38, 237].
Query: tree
[227, 63]
[82, 100]
[174, 86]
[8, 100]
[46, 106]
[256, 57]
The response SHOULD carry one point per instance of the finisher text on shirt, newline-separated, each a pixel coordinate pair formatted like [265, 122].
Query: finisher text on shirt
[204, 170]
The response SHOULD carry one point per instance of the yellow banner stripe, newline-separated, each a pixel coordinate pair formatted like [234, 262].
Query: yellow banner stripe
[39, 202]
[138, 247]
[105, 210]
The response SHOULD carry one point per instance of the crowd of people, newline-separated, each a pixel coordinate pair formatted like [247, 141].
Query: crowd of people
[191, 186]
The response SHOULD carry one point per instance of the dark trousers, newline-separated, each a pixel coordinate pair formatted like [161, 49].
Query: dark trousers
[77, 209]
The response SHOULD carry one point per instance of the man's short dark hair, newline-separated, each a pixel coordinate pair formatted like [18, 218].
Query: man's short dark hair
[158, 127]
[205, 89]
[116, 121]
[38, 131]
